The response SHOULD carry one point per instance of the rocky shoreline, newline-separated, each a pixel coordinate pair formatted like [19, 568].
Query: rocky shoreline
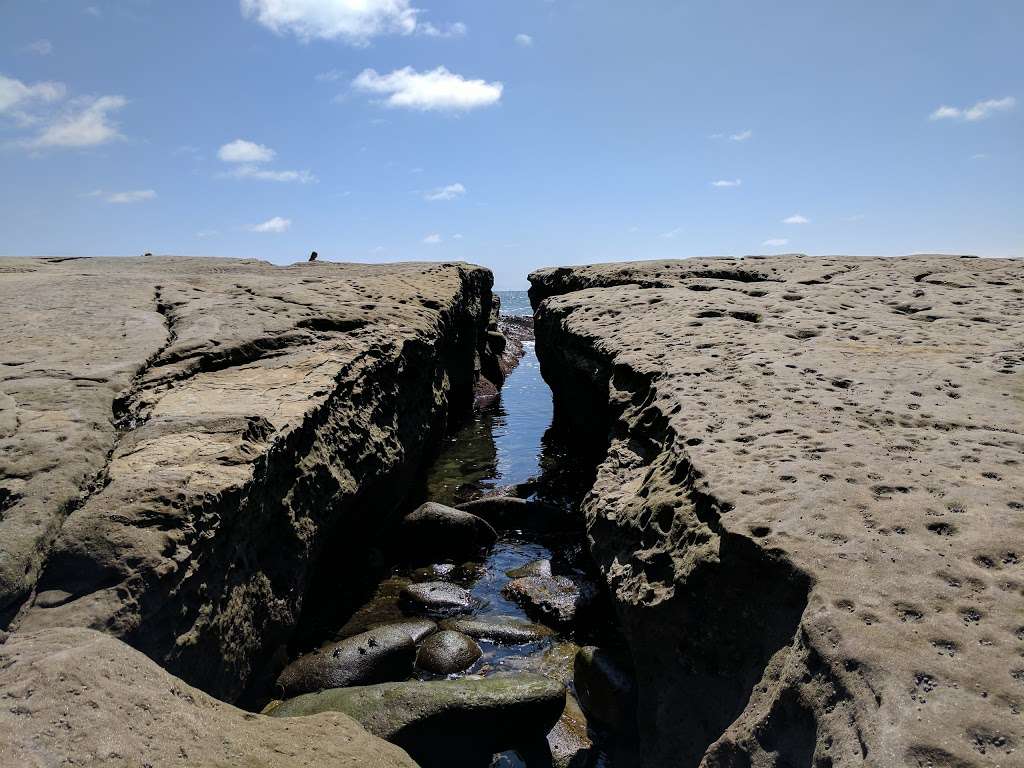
[808, 500]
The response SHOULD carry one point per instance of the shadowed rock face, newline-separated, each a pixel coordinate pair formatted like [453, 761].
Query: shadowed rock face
[80, 697]
[810, 514]
[184, 441]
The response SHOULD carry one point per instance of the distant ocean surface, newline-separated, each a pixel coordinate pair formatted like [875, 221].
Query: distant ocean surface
[514, 302]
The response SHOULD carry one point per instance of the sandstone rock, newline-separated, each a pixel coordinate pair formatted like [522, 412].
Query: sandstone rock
[80, 697]
[436, 598]
[447, 652]
[497, 630]
[605, 687]
[190, 434]
[377, 656]
[557, 600]
[809, 511]
[535, 568]
[447, 722]
[435, 531]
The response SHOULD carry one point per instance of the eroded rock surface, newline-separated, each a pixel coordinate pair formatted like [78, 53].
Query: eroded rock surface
[184, 442]
[80, 697]
[811, 511]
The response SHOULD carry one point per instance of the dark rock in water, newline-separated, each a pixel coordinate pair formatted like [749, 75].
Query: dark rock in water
[512, 512]
[535, 568]
[496, 341]
[446, 723]
[435, 531]
[382, 654]
[503, 632]
[436, 597]
[417, 629]
[556, 600]
[447, 652]
[606, 687]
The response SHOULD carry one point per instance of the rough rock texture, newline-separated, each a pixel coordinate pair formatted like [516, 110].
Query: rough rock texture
[437, 531]
[192, 435]
[811, 511]
[559, 600]
[446, 723]
[80, 697]
[447, 651]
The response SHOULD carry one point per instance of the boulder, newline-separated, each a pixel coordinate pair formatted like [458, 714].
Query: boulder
[606, 687]
[535, 568]
[556, 600]
[447, 652]
[382, 654]
[433, 531]
[83, 698]
[502, 631]
[446, 723]
[436, 598]
[417, 629]
[512, 512]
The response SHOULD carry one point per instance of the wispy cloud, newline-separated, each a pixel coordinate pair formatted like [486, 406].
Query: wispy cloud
[455, 29]
[855, 217]
[776, 242]
[979, 111]
[721, 183]
[274, 225]
[86, 122]
[432, 239]
[672, 233]
[247, 157]
[741, 136]
[330, 76]
[523, 40]
[796, 218]
[134, 196]
[449, 192]
[437, 89]
[265, 174]
[40, 47]
[16, 95]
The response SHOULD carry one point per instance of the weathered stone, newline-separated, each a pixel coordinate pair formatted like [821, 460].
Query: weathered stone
[557, 600]
[809, 509]
[377, 656]
[436, 598]
[416, 629]
[447, 652]
[190, 434]
[535, 568]
[498, 630]
[435, 531]
[81, 697]
[512, 512]
[447, 722]
[605, 687]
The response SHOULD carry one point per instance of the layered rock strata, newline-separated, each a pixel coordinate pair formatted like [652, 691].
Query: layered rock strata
[810, 512]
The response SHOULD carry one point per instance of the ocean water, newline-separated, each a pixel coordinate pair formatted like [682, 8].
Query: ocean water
[514, 302]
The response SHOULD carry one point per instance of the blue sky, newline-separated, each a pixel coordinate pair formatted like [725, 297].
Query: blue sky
[510, 134]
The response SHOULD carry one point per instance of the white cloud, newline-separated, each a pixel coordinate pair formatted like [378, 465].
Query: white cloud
[457, 236]
[523, 40]
[135, 196]
[432, 239]
[796, 218]
[330, 76]
[449, 192]
[16, 94]
[979, 156]
[742, 135]
[242, 151]
[671, 234]
[276, 224]
[40, 47]
[776, 242]
[354, 21]
[86, 123]
[437, 89]
[264, 174]
[457, 29]
[727, 183]
[979, 111]
[92, 10]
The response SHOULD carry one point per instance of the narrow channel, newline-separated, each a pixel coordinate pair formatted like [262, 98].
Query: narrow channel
[506, 448]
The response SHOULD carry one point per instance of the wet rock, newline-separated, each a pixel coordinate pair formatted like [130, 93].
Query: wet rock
[606, 687]
[447, 652]
[78, 697]
[436, 598]
[512, 512]
[557, 600]
[435, 531]
[535, 568]
[382, 654]
[417, 629]
[501, 631]
[568, 743]
[446, 723]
